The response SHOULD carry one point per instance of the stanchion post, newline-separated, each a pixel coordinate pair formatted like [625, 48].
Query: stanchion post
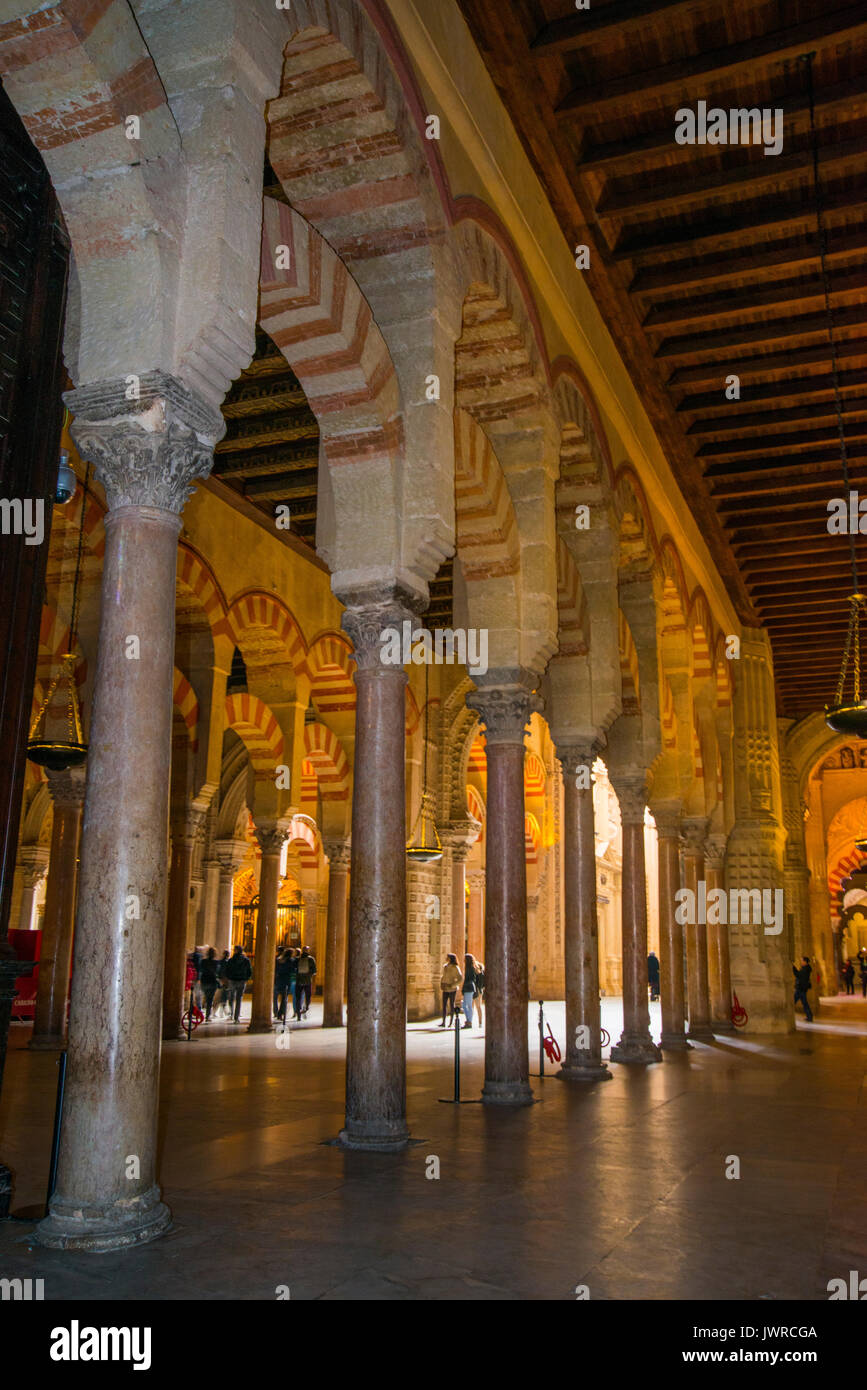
[457, 1060]
[541, 1039]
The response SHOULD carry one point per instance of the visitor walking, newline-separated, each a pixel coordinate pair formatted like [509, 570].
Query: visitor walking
[862, 967]
[306, 970]
[209, 978]
[802, 975]
[282, 976]
[653, 975]
[480, 987]
[449, 981]
[849, 976]
[221, 1008]
[468, 990]
[238, 972]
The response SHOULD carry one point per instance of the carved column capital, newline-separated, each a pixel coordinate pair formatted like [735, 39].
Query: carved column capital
[185, 826]
[460, 836]
[574, 755]
[371, 618]
[631, 792]
[67, 788]
[505, 707]
[694, 831]
[145, 451]
[667, 821]
[476, 880]
[229, 854]
[33, 864]
[715, 852]
[271, 836]
[339, 855]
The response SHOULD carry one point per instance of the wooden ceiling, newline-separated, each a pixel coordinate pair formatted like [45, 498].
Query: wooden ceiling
[704, 263]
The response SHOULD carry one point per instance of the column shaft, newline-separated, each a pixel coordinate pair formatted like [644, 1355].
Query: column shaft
[175, 962]
[696, 947]
[261, 1017]
[672, 985]
[583, 1059]
[49, 1023]
[719, 968]
[335, 935]
[476, 916]
[635, 1043]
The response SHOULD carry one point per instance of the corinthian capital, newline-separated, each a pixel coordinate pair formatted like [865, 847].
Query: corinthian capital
[270, 836]
[694, 829]
[371, 619]
[339, 855]
[505, 707]
[145, 451]
[632, 795]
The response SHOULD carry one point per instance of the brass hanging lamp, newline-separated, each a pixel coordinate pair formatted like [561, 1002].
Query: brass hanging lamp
[424, 846]
[57, 754]
[848, 713]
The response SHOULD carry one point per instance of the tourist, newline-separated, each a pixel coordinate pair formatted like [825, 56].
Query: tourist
[209, 978]
[449, 981]
[849, 976]
[306, 969]
[238, 972]
[480, 986]
[292, 978]
[277, 959]
[282, 976]
[468, 989]
[653, 975]
[862, 965]
[802, 984]
[222, 1002]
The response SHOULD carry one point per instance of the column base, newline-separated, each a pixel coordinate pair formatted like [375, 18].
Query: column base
[636, 1051]
[723, 1025]
[675, 1042]
[46, 1042]
[115, 1227]
[598, 1071]
[375, 1136]
[507, 1093]
[257, 1027]
[702, 1032]
[175, 1035]
[334, 1022]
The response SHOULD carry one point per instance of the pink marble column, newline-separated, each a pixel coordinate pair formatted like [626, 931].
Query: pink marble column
[672, 987]
[177, 915]
[505, 710]
[460, 837]
[146, 452]
[270, 837]
[718, 963]
[636, 1044]
[338, 855]
[376, 1032]
[476, 914]
[698, 996]
[583, 1058]
[55, 957]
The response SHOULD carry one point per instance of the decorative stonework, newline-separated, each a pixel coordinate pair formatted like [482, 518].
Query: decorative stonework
[147, 451]
[505, 710]
[66, 788]
[339, 855]
[368, 615]
[270, 837]
[694, 830]
[715, 852]
[632, 796]
[575, 755]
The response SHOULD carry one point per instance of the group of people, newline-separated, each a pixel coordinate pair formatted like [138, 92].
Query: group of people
[471, 983]
[216, 985]
[294, 972]
[848, 973]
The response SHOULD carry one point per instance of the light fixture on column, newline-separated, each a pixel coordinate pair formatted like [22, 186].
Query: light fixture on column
[57, 754]
[848, 714]
[424, 845]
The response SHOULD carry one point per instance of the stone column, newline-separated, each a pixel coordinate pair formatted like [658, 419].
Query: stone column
[583, 1060]
[636, 1044]
[460, 837]
[229, 853]
[211, 901]
[55, 957]
[177, 917]
[146, 453]
[338, 855]
[476, 915]
[718, 967]
[34, 865]
[672, 985]
[505, 710]
[376, 1037]
[698, 995]
[270, 837]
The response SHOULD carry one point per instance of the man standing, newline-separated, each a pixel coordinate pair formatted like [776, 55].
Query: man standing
[802, 975]
[238, 971]
[653, 975]
[304, 981]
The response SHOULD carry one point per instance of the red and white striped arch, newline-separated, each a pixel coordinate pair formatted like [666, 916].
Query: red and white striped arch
[257, 726]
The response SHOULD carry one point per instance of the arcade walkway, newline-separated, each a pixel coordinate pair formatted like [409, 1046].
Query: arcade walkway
[619, 1186]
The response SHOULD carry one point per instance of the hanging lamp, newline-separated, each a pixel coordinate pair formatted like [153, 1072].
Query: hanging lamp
[57, 754]
[424, 846]
[848, 713]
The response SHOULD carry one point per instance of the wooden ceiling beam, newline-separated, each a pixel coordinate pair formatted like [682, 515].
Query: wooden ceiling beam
[287, 485]
[734, 304]
[754, 368]
[760, 444]
[579, 30]
[776, 419]
[743, 266]
[696, 74]
[782, 391]
[770, 331]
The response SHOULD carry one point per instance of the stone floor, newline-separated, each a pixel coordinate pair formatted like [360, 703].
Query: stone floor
[619, 1186]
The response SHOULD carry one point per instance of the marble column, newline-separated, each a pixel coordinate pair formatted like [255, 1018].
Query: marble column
[229, 853]
[505, 710]
[146, 453]
[718, 966]
[460, 837]
[636, 1044]
[698, 997]
[270, 836]
[211, 900]
[376, 1033]
[177, 919]
[583, 1059]
[338, 855]
[672, 984]
[33, 860]
[55, 957]
[476, 914]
